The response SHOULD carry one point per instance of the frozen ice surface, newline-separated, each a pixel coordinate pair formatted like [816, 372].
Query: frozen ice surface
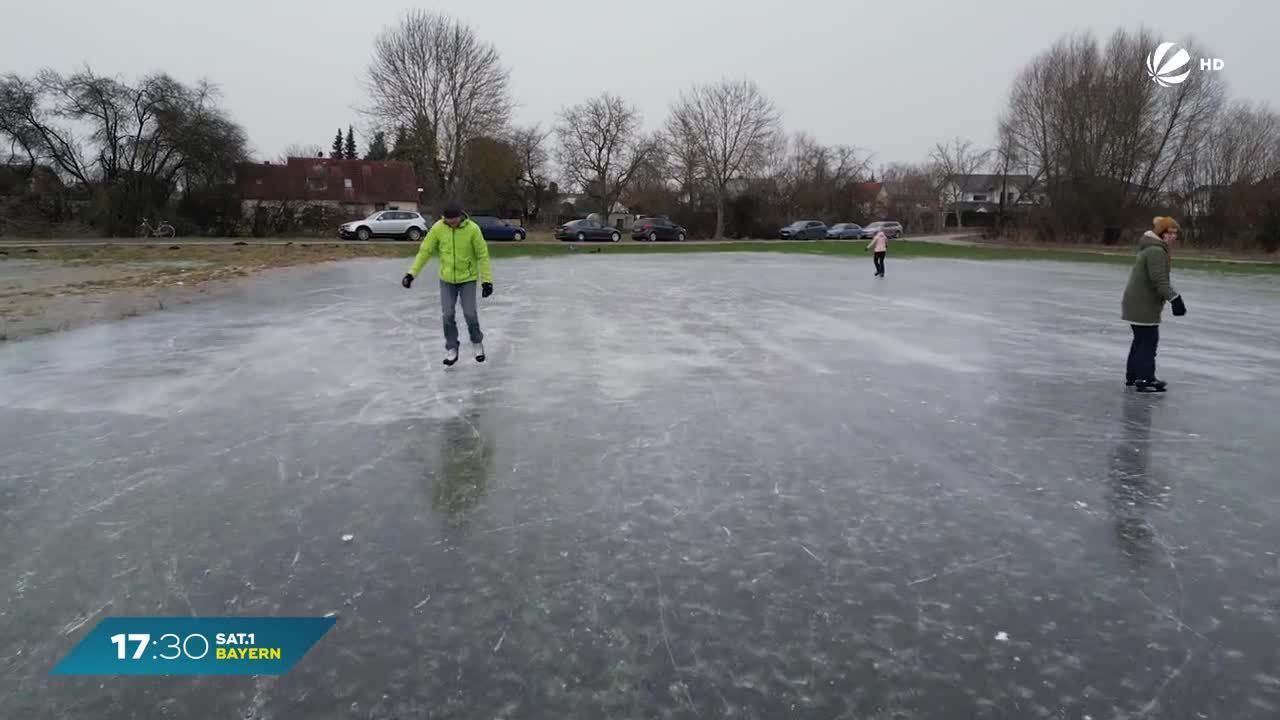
[683, 486]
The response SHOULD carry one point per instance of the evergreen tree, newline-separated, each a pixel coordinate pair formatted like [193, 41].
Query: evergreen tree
[400, 151]
[350, 148]
[378, 147]
[336, 154]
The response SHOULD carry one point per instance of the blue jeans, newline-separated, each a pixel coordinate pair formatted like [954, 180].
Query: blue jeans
[449, 296]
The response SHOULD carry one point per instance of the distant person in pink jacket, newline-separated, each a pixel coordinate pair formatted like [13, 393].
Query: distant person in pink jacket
[881, 244]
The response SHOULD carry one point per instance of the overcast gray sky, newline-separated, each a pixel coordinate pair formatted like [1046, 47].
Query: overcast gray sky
[889, 77]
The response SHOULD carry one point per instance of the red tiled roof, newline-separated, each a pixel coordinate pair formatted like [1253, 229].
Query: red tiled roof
[349, 181]
[867, 191]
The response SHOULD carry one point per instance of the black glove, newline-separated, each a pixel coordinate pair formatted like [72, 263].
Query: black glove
[407, 280]
[486, 289]
[1179, 307]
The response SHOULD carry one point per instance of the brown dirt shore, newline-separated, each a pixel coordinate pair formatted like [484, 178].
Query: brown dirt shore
[47, 289]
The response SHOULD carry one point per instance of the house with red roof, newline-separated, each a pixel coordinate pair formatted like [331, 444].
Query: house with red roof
[354, 188]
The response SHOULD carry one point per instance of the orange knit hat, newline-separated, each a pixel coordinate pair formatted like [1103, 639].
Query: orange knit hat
[1162, 224]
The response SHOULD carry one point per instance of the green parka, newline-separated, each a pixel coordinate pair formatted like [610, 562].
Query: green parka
[1149, 287]
[464, 256]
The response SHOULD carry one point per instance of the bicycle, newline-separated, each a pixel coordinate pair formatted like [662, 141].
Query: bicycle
[164, 229]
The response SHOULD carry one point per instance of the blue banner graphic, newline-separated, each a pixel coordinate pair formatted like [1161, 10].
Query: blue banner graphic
[194, 646]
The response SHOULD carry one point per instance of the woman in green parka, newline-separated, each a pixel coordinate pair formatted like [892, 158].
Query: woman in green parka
[1148, 290]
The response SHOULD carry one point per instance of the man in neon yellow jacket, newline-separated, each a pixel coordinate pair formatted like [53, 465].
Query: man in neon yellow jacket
[464, 259]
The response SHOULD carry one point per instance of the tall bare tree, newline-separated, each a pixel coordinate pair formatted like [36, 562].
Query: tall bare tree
[1006, 159]
[684, 162]
[434, 74]
[600, 147]
[952, 162]
[729, 127]
[1104, 137]
[530, 145]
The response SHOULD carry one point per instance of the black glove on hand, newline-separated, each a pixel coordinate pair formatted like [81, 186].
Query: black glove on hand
[407, 280]
[1179, 307]
[486, 289]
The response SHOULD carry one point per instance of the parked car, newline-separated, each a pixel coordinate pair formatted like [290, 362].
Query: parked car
[844, 231]
[587, 229]
[804, 230]
[653, 228]
[387, 223]
[495, 229]
[891, 229]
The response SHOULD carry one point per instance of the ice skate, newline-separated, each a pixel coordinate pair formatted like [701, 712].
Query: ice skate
[1151, 385]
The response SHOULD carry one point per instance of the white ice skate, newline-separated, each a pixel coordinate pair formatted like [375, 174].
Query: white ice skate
[450, 356]
[479, 348]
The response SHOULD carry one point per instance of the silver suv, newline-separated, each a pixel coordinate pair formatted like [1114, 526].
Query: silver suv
[891, 229]
[386, 223]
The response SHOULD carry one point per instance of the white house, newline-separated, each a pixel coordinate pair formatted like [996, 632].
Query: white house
[982, 193]
[619, 215]
[1202, 199]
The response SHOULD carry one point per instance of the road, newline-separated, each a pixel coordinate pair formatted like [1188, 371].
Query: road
[963, 239]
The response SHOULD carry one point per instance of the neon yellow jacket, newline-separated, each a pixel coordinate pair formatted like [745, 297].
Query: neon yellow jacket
[464, 256]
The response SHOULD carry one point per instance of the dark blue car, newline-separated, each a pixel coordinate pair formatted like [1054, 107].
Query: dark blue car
[494, 229]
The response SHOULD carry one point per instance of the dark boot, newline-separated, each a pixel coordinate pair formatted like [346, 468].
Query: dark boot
[1151, 386]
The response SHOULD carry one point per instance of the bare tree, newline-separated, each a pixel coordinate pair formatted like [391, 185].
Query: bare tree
[1006, 158]
[684, 163]
[433, 74]
[1226, 179]
[1243, 146]
[530, 145]
[600, 147]
[299, 150]
[1106, 140]
[729, 127]
[652, 188]
[816, 180]
[18, 106]
[134, 144]
[28, 118]
[1165, 126]
[913, 194]
[952, 162]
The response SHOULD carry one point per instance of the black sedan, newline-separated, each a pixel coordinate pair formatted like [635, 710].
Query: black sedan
[587, 229]
[657, 228]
